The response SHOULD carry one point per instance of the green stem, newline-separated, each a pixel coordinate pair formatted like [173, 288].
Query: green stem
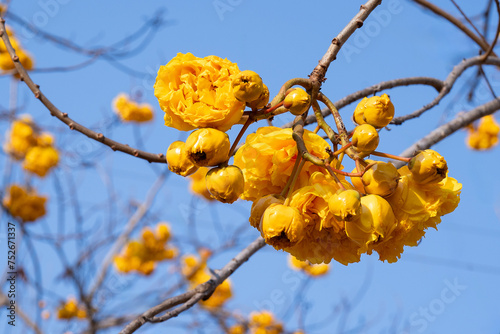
[321, 123]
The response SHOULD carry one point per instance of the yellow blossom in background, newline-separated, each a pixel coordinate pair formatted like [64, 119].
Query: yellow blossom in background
[70, 309]
[196, 93]
[307, 267]
[485, 136]
[6, 62]
[142, 255]
[196, 272]
[267, 158]
[264, 323]
[237, 329]
[24, 204]
[199, 184]
[40, 160]
[20, 137]
[131, 111]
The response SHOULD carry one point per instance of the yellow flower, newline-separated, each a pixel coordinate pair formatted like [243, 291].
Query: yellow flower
[375, 223]
[282, 226]
[20, 137]
[264, 323]
[267, 158]
[199, 183]
[428, 166]
[417, 207]
[381, 179]
[307, 267]
[208, 147]
[70, 309]
[260, 205]
[365, 139]
[237, 329]
[261, 101]
[23, 204]
[376, 110]
[196, 93]
[485, 136]
[142, 255]
[312, 201]
[247, 86]
[40, 160]
[6, 63]
[178, 161]
[226, 184]
[345, 205]
[131, 111]
[297, 101]
[196, 272]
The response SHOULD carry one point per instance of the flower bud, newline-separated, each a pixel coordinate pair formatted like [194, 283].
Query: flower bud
[247, 86]
[282, 226]
[297, 101]
[208, 147]
[365, 139]
[261, 101]
[428, 167]
[178, 161]
[376, 110]
[225, 184]
[260, 205]
[381, 179]
[376, 221]
[345, 205]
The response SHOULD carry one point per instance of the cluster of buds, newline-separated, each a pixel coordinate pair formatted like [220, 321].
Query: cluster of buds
[142, 255]
[131, 111]
[195, 270]
[6, 62]
[24, 142]
[24, 204]
[208, 96]
[302, 202]
[70, 310]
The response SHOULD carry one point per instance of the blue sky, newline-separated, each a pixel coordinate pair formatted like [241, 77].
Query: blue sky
[448, 284]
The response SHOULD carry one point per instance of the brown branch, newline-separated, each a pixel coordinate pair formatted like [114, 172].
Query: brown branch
[191, 297]
[63, 117]
[435, 9]
[461, 121]
[345, 101]
[448, 84]
[319, 72]
[492, 45]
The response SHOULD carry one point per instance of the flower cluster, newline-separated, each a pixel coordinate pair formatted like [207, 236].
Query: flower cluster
[131, 111]
[207, 95]
[308, 268]
[485, 135]
[24, 204]
[302, 202]
[35, 148]
[70, 309]
[325, 217]
[196, 272]
[259, 323]
[142, 255]
[6, 63]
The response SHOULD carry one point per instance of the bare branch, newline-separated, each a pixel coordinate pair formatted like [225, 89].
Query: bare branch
[462, 120]
[448, 84]
[435, 9]
[190, 298]
[318, 74]
[131, 224]
[63, 117]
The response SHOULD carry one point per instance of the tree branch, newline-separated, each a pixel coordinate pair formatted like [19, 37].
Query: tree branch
[63, 117]
[191, 297]
[462, 120]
